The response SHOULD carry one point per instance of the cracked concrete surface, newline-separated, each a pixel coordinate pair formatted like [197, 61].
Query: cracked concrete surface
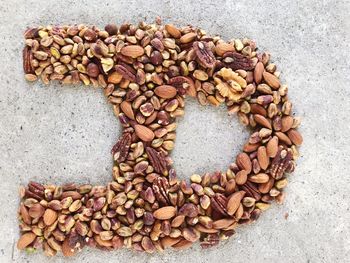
[62, 134]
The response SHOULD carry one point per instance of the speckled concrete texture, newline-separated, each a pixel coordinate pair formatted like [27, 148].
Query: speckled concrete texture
[64, 134]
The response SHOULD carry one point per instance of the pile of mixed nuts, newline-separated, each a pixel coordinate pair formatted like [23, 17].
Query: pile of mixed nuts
[145, 72]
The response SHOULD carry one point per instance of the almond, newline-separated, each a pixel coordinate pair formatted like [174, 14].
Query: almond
[187, 38]
[203, 229]
[271, 80]
[182, 244]
[224, 47]
[25, 240]
[25, 214]
[144, 133]
[133, 51]
[266, 187]
[263, 159]
[262, 121]
[258, 109]
[243, 162]
[165, 91]
[287, 123]
[115, 77]
[173, 31]
[295, 137]
[283, 138]
[272, 147]
[258, 72]
[233, 202]
[169, 241]
[66, 249]
[241, 177]
[177, 221]
[36, 211]
[165, 213]
[223, 223]
[50, 217]
[259, 178]
[126, 107]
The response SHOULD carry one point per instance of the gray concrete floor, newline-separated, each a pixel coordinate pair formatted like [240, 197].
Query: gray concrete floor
[63, 134]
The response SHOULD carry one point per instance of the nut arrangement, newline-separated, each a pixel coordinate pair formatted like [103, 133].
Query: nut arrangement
[146, 71]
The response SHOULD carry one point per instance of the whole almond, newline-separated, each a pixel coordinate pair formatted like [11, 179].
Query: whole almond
[243, 161]
[258, 72]
[262, 121]
[25, 240]
[224, 47]
[36, 211]
[133, 51]
[259, 178]
[272, 147]
[25, 214]
[165, 213]
[263, 159]
[177, 221]
[287, 123]
[271, 80]
[173, 31]
[223, 223]
[241, 177]
[169, 241]
[295, 137]
[115, 77]
[182, 244]
[165, 91]
[50, 217]
[126, 107]
[144, 133]
[234, 201]
[283, 138]
[189, 37]
[266, 187]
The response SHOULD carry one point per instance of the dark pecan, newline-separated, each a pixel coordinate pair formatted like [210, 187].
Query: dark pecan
[158, 160]
[181, 83]
[280, 163]
[35, 190]
[27, 60]
[204, 55]
[125, 72]
[251, 190]
[161, 189]
[237, 61]
[210, 240]
[219, 204]
[120, 150]
[31, 33]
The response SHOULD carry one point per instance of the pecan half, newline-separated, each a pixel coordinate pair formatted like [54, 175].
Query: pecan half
[157, 160]
[210, 240]
[181, 83]
[27, 60]
[126, 72]
[251, 190]
[280, 163]
[219, 204]
[35, 190]
[204, 55]
[237, 61]
[31, 33]
[161, 189]
[120, 150]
